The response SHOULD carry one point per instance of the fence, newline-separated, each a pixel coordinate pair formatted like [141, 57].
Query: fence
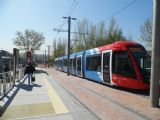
[7, 80]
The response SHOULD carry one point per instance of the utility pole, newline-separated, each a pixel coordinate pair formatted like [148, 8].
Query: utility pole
[48, 54]
[155, 68]
[69, 39]
[45, 58]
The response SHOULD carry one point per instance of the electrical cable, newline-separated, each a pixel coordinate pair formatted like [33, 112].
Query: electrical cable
[70, 11]
[73, 8]
[119, 11]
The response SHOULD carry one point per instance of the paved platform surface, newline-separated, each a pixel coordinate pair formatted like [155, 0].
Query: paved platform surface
[42, 100]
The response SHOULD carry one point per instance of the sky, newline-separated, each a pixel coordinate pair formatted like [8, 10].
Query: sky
[44, 15]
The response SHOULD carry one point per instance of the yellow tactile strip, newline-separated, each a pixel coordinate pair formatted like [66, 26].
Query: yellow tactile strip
[28, 110]
[57, 103]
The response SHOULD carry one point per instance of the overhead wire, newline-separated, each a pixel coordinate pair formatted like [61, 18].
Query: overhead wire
[70, 11]
[75, 3]
[119, 11]
[73, 8]
[61, 26]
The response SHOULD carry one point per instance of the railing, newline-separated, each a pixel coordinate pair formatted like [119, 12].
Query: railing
[20, 73]
[7, 80]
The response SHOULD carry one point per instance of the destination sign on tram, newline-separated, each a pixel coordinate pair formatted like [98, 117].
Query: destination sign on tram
[135, 49]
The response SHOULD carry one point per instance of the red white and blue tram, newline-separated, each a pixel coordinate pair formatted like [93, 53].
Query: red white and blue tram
[122, 63]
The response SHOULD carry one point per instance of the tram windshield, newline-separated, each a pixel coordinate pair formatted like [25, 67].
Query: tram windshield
[142, 60]
[122, 64]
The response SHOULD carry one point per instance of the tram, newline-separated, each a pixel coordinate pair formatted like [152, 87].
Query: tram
[123, 63]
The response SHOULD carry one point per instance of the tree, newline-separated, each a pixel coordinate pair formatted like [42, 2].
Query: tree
[29, 40]
[114, 33]
[55, 49]
[101, 34]
[92, 36]
[59, 47]
[82, 29]
[98, 34]
[146, 31]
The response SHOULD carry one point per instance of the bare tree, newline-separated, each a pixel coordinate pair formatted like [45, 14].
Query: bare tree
[29, 40]
[146, 32]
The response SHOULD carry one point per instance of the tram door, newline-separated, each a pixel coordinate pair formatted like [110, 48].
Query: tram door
[106, 67]
[74, 66]
[79, 70]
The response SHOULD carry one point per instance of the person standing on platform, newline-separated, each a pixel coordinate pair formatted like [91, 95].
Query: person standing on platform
[29, 70]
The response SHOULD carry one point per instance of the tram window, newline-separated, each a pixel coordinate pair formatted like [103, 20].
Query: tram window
[79, 64]
[122, 64]
[60, 63]
[57, 62]
[70, 63]
[74, 62]
[141, 57]
[93, 63]
[65, 62]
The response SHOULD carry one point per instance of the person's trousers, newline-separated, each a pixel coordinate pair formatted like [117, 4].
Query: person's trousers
[29, 78]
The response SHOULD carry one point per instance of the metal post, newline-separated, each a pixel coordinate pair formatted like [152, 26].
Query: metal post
[48, 54]
[4, 83]
[14, 66]
[1, 74]
[1, 66]
[69, 30]
[45, 58]
[155, 76]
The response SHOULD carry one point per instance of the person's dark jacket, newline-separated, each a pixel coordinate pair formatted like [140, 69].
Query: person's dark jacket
[29, 69]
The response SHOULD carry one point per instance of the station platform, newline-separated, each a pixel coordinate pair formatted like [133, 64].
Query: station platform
[56, 96]
[44, 99]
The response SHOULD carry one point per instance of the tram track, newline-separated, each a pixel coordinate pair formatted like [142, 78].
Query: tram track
[84, 88]
[112, 101]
